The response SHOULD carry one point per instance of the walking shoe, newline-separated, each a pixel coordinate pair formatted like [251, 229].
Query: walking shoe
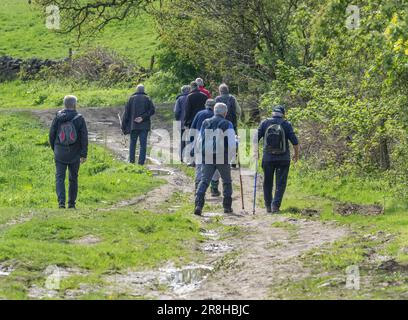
[268, 209]
[198, 211]
[228, 210]
[61, 206]
[275, 209]
[72, 207]
[215, 193]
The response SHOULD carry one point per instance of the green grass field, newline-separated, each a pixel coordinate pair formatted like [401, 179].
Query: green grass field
[34, 235]
[382, 236]
[24, 35]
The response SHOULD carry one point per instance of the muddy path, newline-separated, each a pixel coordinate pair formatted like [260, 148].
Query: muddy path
[246, 265]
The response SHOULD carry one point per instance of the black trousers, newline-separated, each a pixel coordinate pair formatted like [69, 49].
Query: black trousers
[61, 169]
[280, 171]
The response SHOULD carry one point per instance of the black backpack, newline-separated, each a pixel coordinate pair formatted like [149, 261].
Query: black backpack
[67, 132]
[275, 139]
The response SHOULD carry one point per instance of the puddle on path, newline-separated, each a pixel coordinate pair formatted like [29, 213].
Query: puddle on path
[216, 247]
[178, 280]
[5, 271]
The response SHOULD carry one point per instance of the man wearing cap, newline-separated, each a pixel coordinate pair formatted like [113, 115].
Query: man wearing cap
[136, 122]
[276, 133]
[196, 126]
[201, 87]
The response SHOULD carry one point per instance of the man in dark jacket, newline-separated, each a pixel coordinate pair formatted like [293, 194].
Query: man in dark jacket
[68, 138]
[179, 113]
[215, 151]
[195, 102]
[234, 110]
[276, 161]
[136, 121]
[196, 126]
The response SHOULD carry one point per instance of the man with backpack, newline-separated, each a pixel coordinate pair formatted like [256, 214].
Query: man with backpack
[276, 133]
[68, 138]
[196, 126]
[216, 147]
[234, 109]
[136, 122]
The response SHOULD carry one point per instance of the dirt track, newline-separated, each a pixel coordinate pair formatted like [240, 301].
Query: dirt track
[245, 266]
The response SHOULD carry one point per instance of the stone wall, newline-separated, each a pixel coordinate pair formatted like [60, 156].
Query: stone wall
[10, 67]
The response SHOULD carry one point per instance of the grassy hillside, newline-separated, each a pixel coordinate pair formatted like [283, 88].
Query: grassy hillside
[24, 35]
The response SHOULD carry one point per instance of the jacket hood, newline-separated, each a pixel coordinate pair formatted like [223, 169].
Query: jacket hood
[66, 115]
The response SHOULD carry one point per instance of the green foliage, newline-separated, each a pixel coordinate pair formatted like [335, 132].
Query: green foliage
[163, 86]
[24, 35]
[27, 170]
[350, 105]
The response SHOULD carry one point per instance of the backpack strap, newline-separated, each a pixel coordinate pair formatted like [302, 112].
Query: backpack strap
[77, 117]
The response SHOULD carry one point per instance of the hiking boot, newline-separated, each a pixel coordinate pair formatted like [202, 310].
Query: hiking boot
[215, 193]
[198, 211]
[268, 209]
[72, 207]
[275, 209]
[61, 206]
[228, 210]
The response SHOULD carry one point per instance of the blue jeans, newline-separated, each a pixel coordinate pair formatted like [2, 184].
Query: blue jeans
[199, 174]
[134, 136]
[208, 171]
[61, 169]
[280, 169]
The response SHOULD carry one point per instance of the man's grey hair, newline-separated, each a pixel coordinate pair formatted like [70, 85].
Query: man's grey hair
[70, 102]
[140, 88]
[194, 85]
[185, 89]
[200, 82]
[223, 89]
[210, 103]
[220, 109]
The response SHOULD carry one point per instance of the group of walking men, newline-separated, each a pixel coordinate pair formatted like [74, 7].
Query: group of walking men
[209, 142]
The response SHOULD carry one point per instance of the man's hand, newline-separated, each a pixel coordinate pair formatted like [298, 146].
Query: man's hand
[82, 160]
[255, 155]
[295, 158]
[139, 120]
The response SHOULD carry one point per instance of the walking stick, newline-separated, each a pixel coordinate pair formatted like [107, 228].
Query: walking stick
[255, 182]
[240, 180]
[124, 136]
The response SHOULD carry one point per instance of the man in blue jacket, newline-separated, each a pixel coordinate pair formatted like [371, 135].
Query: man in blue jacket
[276, 133]
[136, 122]
[68, 138]
[216, 149]
[196, 125]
